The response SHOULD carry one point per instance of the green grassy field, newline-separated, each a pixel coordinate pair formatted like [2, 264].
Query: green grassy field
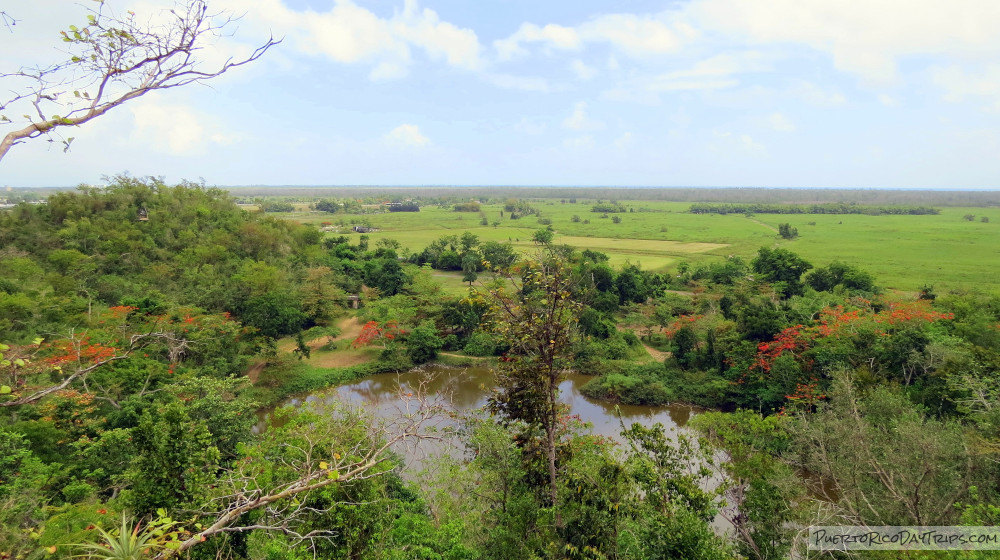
[904, 252]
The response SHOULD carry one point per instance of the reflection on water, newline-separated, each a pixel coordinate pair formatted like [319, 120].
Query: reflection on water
[464, 390]
[467, 389]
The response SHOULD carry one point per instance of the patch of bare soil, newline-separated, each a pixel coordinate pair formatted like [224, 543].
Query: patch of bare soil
[656, 354]
[341, 358]
[349, 327]
[254, 372]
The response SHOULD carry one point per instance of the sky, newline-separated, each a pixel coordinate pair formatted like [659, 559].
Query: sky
[776, 93]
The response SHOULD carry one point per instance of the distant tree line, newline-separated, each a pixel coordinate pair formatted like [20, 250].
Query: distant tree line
[673, 194]
[825, 208]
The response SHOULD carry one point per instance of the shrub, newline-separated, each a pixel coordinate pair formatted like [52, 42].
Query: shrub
[466, 207]
[481, 344]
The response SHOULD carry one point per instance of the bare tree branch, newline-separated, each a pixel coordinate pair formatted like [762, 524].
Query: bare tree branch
[319, 467]
[80, 372]
[7, 20]
[113, 60]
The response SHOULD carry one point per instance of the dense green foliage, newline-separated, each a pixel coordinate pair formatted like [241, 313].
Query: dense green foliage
[138, 346]
[826, 208]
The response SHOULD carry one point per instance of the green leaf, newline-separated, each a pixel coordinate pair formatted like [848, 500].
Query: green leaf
[5, 389]
[19, 362]
[38, 341]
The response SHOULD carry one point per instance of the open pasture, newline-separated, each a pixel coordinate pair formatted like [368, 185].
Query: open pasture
[904, 252]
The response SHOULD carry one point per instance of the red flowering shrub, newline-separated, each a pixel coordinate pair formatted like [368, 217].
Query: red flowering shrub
[373, 331]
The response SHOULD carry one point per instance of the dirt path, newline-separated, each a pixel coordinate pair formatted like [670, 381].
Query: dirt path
[254, 372]
[656, 354]
[774, 229]
[349, 327]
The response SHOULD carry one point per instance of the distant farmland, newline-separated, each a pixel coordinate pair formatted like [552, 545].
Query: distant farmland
[905, 252]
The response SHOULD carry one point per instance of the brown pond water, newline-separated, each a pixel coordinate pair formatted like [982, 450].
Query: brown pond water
[466, 389]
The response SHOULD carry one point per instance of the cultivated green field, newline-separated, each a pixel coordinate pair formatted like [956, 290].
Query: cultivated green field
[904, 252]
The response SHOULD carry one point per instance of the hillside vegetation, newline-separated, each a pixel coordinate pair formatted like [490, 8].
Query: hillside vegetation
[143, 326]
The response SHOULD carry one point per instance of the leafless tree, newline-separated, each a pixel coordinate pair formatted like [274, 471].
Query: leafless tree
[113, 59]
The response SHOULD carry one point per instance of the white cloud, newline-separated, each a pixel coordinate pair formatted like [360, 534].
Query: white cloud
[460, 47]
[583, 71]
[557, 36]
[174, 129]
[713, 73]
[632, 34]
[638, 35]
[579, 119]
[407, 135]
[864, 38]
[624, 141]
[867, 39]
[351, 34]
[780, 122]
[959, 84]
[725, 64]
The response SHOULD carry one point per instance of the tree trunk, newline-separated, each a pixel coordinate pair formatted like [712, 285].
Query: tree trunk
[551, 435]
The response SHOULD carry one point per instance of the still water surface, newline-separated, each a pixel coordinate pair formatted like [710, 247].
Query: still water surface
[465, 390]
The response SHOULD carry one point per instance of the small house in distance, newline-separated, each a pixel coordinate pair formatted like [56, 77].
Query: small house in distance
[407, 206]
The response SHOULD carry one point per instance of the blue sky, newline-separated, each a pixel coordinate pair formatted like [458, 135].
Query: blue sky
[782, 93]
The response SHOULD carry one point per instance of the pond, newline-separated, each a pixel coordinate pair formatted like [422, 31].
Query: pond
[466, 389]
